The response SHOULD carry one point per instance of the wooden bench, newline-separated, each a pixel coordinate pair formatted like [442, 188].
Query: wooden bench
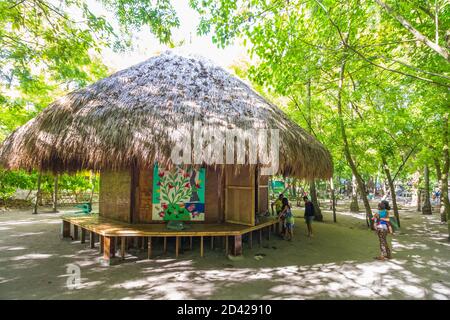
[111, 232]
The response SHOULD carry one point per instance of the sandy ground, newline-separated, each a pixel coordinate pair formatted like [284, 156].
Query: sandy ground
[336, 264]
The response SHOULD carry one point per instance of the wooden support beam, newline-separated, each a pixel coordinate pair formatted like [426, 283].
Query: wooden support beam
[122, 247]
[139, 243]
[212, 242]
[107, 249]
[102, 243]
[75, 232]
[145, 243]
[190, 243]
[237, 245]
[260, 237]
[250, 239]
[65, 229]
[165, 245]
[268, 233]
[149, 248]
[177, 246]
[83, 235]
[92, 239]
[226, 245]
[201, 247]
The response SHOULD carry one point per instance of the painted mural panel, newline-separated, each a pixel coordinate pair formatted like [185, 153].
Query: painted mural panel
[178, 194]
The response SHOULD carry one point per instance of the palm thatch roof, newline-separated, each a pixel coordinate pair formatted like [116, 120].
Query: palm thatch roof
[132, 116]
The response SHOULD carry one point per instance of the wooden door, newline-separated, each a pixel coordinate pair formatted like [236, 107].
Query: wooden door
[240, 195]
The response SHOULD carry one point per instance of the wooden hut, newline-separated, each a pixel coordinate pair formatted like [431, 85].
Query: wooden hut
[126, 127]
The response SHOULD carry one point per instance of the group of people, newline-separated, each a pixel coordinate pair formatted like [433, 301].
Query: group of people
[381, 222]
[284, 213]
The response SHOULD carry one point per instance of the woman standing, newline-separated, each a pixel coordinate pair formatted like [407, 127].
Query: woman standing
[381, 224]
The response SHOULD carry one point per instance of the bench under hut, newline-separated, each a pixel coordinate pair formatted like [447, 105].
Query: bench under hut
[127, 126]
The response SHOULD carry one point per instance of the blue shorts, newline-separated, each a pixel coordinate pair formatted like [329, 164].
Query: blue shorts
[309, 219]
[289, 226]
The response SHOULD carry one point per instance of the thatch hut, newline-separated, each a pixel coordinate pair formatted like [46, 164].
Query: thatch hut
[126, 126]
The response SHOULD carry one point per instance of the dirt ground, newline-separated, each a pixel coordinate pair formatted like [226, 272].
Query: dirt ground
[336, 264]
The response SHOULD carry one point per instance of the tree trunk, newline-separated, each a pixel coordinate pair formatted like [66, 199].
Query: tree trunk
[426, 208]
[359, 179]
[55, 194]
[354, 207]
[445, 209]
[441, 206]
[392, 188]
[333, 199]
[313, 193]
[38, 194]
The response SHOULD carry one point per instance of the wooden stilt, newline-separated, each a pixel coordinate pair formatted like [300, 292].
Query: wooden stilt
[122, 247]
[165, 244]
[212, 242]
[139, 243]
[268, 233]
[145, 242]
[65, 229]
[250, 239]
[177, 246]
[83, 235]
[107, 249]
[113, 246]
[102, 243]
[226, 245]
[237, 245]
[149, 248]
[92, 239]
[190, 243]
[201, 246]
[260, 237]
[75, 232]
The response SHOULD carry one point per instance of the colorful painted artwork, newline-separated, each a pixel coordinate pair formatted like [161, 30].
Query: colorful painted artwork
[178, 194]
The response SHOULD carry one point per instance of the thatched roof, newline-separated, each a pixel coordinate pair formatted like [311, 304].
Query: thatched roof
[131, 117]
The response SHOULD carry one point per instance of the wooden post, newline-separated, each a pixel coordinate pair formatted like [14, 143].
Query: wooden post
[122, 247]
[250, 239]
[268, 233]
[212, 242]
[201, 246]
[65, 229]
[92, 239]
[145, 243]
[177, 246]
[75, 232]
[102, 243]
[107, 244]
[83, 235]
[149, 248]
[190, 243]
[226, 245]
[139, 243]
[260, 237]
[237, 245]
[165, 245]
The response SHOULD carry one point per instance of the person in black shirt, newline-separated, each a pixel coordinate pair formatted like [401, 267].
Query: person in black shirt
[309, 215]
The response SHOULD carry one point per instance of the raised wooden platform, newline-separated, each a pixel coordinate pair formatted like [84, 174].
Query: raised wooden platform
[111, 232]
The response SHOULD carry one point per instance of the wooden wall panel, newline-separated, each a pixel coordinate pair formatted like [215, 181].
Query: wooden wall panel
[114, 200]
[145, 195]
[263, 194]
[214, 195]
